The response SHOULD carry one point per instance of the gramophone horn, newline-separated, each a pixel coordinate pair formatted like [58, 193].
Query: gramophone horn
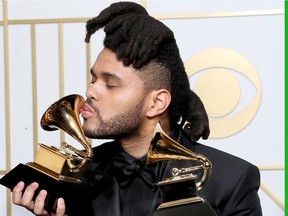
[164, 148]
[64, 114]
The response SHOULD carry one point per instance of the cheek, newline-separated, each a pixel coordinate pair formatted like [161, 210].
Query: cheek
[123, 100]
[119, 101]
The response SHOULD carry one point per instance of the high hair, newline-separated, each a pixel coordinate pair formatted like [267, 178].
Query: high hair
[150, 47]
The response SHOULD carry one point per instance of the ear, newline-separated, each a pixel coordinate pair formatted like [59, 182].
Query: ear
[159, 101]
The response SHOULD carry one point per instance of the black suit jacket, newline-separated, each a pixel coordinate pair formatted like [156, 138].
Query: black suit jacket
[231, 190]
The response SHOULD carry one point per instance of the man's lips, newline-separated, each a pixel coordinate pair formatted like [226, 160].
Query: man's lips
[86, 111]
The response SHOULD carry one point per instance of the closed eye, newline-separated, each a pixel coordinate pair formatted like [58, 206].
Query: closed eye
[111, 80]
[111, 85]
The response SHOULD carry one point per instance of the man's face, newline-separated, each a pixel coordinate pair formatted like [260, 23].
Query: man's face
[115, 99]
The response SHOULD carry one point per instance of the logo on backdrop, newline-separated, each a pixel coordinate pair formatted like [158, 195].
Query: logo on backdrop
[229, 86]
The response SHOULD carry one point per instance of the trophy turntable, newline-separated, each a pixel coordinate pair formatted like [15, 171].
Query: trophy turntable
[57, 169]
[179, 193]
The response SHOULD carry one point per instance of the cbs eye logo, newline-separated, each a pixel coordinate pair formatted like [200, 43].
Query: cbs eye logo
[229, 86]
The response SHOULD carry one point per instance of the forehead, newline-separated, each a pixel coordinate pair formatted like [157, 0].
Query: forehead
[107, 65]
[107, 61]
[107, 54]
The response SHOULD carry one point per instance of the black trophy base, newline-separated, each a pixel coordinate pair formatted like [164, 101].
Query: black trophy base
[195, 209]
[75, 195]
[178, 188]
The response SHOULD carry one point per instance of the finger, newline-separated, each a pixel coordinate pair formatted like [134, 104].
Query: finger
[27, 198]
[39, 203]
[17, 193]
[60, 207]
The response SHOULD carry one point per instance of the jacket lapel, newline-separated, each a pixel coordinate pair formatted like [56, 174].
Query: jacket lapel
[107, 202]
[104, 187]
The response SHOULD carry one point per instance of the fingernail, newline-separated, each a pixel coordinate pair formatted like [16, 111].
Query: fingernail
[20, 184]
[35, 184]
[43, 192]
[61, 201]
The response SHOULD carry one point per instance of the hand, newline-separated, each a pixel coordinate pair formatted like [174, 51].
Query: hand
[25, 199]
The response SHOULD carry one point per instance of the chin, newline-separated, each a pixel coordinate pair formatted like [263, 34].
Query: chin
[87, 128]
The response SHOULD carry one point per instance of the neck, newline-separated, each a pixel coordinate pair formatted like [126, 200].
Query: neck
[138, 144]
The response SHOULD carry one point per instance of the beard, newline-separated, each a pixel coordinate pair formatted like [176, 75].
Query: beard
[119, 126]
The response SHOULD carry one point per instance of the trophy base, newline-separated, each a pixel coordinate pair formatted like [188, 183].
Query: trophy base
[76, 195]
[181, 202]
[195, 209]
[52, 174]
[180, 189]
[179, 197]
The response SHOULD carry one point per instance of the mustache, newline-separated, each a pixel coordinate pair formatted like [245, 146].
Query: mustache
[90, 103]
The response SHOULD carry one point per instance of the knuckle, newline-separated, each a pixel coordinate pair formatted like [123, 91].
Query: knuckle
[25, 202]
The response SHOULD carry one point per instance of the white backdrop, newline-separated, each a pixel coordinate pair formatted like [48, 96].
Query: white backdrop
[257, 38]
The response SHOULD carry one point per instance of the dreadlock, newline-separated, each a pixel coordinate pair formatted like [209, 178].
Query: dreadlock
[150, 47]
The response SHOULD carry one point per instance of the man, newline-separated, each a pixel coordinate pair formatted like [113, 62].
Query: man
[137, 81]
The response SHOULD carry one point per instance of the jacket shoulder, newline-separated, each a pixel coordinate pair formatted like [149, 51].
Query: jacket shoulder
[232, 180]
[221, 158]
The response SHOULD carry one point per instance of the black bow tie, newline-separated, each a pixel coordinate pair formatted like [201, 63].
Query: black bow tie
[126, 168]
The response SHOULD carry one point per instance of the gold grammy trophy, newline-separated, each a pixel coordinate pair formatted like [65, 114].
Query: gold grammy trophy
[179, 193]
[57, 169]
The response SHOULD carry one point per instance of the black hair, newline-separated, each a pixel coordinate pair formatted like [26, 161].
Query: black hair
[145, 43]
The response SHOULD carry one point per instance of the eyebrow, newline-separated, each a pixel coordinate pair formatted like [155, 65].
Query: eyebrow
[106, 74]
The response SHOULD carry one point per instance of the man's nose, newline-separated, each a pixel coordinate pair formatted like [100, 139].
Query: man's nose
[92, 92]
